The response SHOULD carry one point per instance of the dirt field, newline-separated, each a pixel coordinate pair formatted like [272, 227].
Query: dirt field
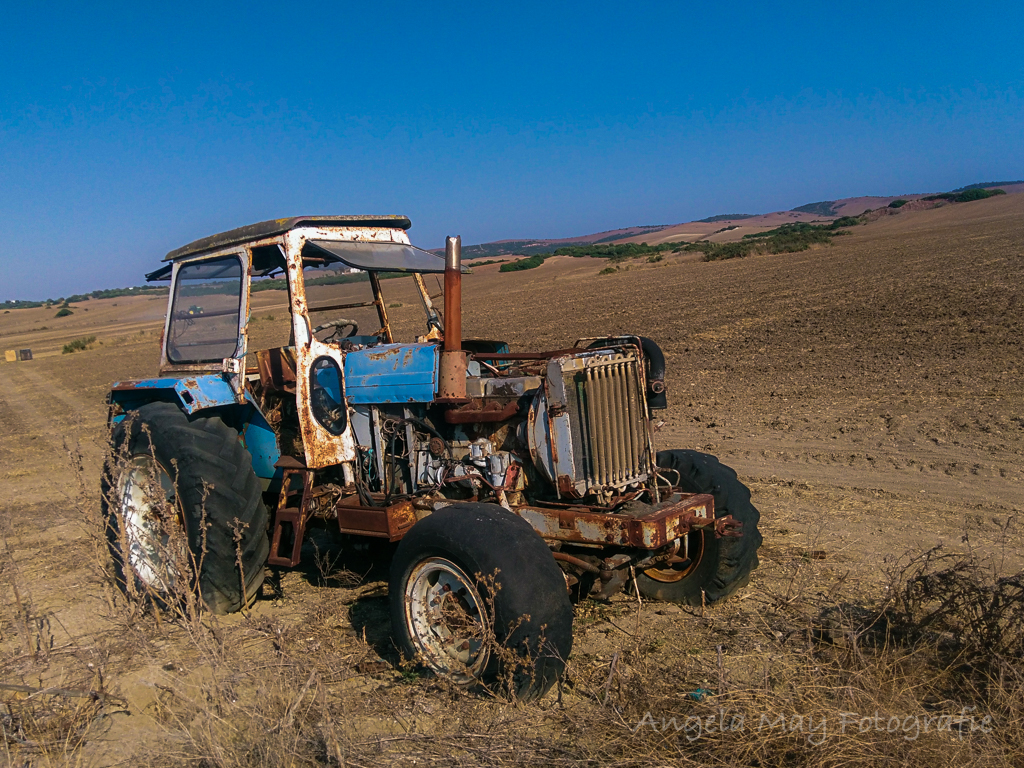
[869, 394]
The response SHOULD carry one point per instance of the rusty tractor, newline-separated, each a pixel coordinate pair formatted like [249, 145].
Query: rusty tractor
[501, 484]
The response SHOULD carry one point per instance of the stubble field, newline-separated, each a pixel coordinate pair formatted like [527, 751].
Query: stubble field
[868, 392]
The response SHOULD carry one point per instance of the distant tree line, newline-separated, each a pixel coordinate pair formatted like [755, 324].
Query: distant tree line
[105, 293]
[727, 217]
[984, 184]
[967, 196]
[272, 284]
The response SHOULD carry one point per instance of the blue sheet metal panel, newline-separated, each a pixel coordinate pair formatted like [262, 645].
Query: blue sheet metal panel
[195, 392]
[203, 392]
[391, 373]
[261, 442]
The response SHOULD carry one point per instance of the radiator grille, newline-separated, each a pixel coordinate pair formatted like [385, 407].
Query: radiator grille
[608, 422]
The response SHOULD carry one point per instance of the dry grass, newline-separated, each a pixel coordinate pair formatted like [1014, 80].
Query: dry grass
[47, 712]
[793, 672]
[843, 685]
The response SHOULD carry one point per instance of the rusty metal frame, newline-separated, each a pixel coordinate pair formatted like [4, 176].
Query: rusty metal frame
[582, 525]
[390, 522]
[382, 312]
[322, 449]
[586, 526]
[579, 526]
[296, 515]
[297, 236]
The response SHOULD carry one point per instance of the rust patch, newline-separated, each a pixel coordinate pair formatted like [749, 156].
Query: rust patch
[481, 410]
[523, 355]
[652, 531]
[385, 354]
[566, 487]
[290, 517]
[391, 523]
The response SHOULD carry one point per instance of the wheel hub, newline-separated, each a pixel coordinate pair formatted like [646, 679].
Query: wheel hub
[151, 524]
[446, 616]
[683, 563]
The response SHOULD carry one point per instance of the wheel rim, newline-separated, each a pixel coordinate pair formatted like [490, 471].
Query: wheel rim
[445, 616]
[151, 523]
[692, 548]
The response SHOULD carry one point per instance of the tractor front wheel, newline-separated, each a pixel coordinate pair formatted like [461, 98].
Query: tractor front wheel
[711, 568]
[477, 598]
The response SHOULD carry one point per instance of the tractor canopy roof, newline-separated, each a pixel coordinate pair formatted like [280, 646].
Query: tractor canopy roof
[367, 255]
[265, 229]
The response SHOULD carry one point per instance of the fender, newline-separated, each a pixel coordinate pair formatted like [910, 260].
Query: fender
[202, 393]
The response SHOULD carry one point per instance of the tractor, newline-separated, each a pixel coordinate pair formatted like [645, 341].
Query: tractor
[502, 485]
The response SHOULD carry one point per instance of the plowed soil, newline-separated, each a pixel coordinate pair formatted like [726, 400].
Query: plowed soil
[868, 392]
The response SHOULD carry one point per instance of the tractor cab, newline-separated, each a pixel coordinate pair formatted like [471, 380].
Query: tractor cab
[221, 346]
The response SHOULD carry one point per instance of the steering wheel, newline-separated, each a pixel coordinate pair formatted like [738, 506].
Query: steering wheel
[338, 325]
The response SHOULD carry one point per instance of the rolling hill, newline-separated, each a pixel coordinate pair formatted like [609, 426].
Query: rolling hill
[718, 228]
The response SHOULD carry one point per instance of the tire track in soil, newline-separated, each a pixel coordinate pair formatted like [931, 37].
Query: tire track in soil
[960, 478]
[51, 551]
[11, 422]
[41, 434]
[46, 535]
[79, 408]
[39, 494]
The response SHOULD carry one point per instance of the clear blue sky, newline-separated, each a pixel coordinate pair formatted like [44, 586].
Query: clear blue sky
[127, 130]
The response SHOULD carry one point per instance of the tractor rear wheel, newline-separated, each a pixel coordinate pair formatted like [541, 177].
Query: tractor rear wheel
[184, 509]
[477, 598]
[716, 568]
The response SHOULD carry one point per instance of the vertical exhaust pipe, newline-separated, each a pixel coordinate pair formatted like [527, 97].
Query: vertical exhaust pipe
[453, 294]
[451, 385]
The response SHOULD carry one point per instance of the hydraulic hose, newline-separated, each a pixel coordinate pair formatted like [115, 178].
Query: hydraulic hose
[656, 398]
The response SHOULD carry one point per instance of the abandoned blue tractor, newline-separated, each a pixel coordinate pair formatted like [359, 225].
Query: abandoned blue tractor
[501, 484]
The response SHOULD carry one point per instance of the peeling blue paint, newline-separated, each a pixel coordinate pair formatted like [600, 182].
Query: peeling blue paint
[391, 373]
[195, 393]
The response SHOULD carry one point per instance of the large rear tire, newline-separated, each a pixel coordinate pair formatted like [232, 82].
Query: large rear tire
[184, 509]
[476, 597]
[724, 564]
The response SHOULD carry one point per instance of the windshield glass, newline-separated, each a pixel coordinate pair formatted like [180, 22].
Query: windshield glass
[205, 311]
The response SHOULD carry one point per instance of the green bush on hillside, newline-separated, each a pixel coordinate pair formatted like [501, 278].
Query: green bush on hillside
[789, 238]
[531, 262]
[64, 312]
[898, 203]
[978, 194]
[78, 345]
[801, 231]
[615, 251]
[968, 196]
